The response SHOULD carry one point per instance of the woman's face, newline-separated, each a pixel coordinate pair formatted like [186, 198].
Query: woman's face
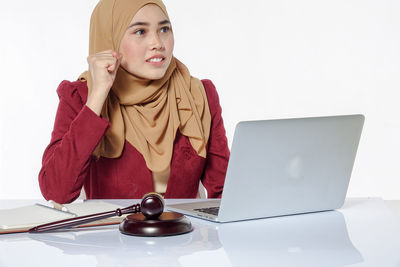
[148, 43]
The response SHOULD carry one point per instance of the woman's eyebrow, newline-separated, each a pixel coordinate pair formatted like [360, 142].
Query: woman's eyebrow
[140, 23]
[164, 22]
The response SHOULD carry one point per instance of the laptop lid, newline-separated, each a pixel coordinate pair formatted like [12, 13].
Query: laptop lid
[289, 166]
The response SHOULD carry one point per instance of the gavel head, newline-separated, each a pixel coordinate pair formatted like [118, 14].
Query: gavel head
[152, 205]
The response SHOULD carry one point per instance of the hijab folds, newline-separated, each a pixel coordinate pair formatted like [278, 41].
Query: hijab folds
[147, 113]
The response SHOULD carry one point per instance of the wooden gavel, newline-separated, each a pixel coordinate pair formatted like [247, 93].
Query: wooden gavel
[151, 206]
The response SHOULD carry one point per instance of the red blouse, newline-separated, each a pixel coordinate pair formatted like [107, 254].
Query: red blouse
[68, 163]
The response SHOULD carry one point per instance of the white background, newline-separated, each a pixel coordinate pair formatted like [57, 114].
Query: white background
[268, 59]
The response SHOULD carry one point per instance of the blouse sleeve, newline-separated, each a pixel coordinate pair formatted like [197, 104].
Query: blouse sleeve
[76, 133]
[218, 152]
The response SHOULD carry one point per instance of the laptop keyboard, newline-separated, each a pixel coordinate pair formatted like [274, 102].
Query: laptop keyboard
[210, 210]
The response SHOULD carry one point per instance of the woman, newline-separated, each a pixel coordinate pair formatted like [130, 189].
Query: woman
[137, 121]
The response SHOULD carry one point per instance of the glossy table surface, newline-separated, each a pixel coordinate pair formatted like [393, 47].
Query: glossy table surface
[364, 232]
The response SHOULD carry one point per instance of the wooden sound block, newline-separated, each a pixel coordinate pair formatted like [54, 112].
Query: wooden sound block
[169, 223]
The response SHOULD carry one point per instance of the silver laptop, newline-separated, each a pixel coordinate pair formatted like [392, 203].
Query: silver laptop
[284, 167]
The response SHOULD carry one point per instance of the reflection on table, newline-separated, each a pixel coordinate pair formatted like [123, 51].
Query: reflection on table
[315, 239]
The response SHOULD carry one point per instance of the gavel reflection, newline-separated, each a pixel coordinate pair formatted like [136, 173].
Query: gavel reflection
[146, 219]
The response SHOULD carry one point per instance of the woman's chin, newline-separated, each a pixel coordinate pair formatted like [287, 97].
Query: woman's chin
[149, 75]
[154, 75]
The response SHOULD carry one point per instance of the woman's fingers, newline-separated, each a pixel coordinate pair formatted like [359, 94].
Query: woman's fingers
[108, 59]
[117, 62]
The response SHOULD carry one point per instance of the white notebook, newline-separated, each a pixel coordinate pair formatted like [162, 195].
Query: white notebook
[23, 218]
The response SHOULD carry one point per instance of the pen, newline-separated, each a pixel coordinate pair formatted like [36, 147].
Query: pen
[59, 208]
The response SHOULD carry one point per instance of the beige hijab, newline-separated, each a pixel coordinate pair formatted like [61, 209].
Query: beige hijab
[147, 113]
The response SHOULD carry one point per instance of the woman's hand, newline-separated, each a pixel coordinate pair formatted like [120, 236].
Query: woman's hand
[103, 68]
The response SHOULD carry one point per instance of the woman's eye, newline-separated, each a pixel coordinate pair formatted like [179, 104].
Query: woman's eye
[165, 29]
[139, 32]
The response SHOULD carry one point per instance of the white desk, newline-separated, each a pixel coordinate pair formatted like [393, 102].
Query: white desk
[365, 232]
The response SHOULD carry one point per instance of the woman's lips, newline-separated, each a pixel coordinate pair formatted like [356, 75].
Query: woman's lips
[156, 60]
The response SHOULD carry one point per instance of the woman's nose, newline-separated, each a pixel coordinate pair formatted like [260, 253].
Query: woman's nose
[156, 42]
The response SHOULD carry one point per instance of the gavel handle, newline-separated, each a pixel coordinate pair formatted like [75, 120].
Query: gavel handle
[62, 224]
